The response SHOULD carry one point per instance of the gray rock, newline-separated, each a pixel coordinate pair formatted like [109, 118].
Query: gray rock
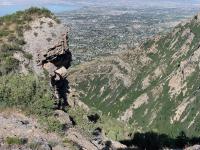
[60, 147]
[64, 118]
[45, 146]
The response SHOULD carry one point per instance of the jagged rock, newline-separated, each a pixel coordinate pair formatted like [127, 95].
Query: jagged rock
[197, 17]
[39, 45]
[64, 118]
[25, 122]
[62, 72]
[15, 147]
[41, 144]
[79, 139]
[45, 146]
[117, 146]
[50, 68]
[74, 100]
[56, 60]
[59, 55]
[60, 147]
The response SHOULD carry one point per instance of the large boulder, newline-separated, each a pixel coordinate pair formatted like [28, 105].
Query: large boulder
[63, 118]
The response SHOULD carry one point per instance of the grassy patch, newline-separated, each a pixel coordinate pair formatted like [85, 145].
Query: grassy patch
[15, 141]
[32, 95]
[111, 127]
[28, 56]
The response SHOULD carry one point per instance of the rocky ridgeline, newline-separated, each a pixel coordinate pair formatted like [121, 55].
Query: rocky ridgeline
[46, 43]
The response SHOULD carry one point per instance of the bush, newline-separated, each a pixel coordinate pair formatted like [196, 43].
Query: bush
[8, 64]
[19, 30]
[11, 63]
[38, 11]
[32, 95]
[14, 39]
[10, 47]
[27, 93]
[28, 56]
[15, 141]
[20, 41]
[21, 17]
[4, 33]
[54, 125]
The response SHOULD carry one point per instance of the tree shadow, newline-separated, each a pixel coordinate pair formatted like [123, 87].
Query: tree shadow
[155, 141]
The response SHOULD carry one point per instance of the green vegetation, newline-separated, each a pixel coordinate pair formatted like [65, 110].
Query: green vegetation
[10, 47]
[114, 129]
[110, 96]
[15, 141]
[28, 56]
[30, 94]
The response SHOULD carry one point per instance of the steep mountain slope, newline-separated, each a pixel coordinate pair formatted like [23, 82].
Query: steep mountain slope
[154, 87]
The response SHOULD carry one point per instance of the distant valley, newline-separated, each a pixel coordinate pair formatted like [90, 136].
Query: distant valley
[98, 31]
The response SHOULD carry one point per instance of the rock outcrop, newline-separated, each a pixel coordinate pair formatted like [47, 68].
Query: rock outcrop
[56, 60]
[47, 43]
[56, 57]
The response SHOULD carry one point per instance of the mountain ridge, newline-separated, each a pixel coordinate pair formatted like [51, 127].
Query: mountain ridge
[34, 92]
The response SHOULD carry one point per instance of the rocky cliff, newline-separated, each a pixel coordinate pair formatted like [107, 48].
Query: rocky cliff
[28, 118]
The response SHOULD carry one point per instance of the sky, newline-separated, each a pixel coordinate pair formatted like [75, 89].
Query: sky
[10, 6]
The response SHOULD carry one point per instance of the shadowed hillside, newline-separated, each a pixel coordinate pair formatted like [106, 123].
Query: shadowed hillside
[155, 141]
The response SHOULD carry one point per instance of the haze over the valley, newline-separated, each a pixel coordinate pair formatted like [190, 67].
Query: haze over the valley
[11, 6]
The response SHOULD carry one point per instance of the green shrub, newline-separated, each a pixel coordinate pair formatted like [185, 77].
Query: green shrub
[4, 33]
[10, 47]
[8, 64]
[27, 93]
[11, 63]
[39, 11]
[15, 141]
[19, 30]
[54, 125]
[15, 40]
[20, 41]
[20, 17]
[12, 38]
[28, 56]
[32, 95]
